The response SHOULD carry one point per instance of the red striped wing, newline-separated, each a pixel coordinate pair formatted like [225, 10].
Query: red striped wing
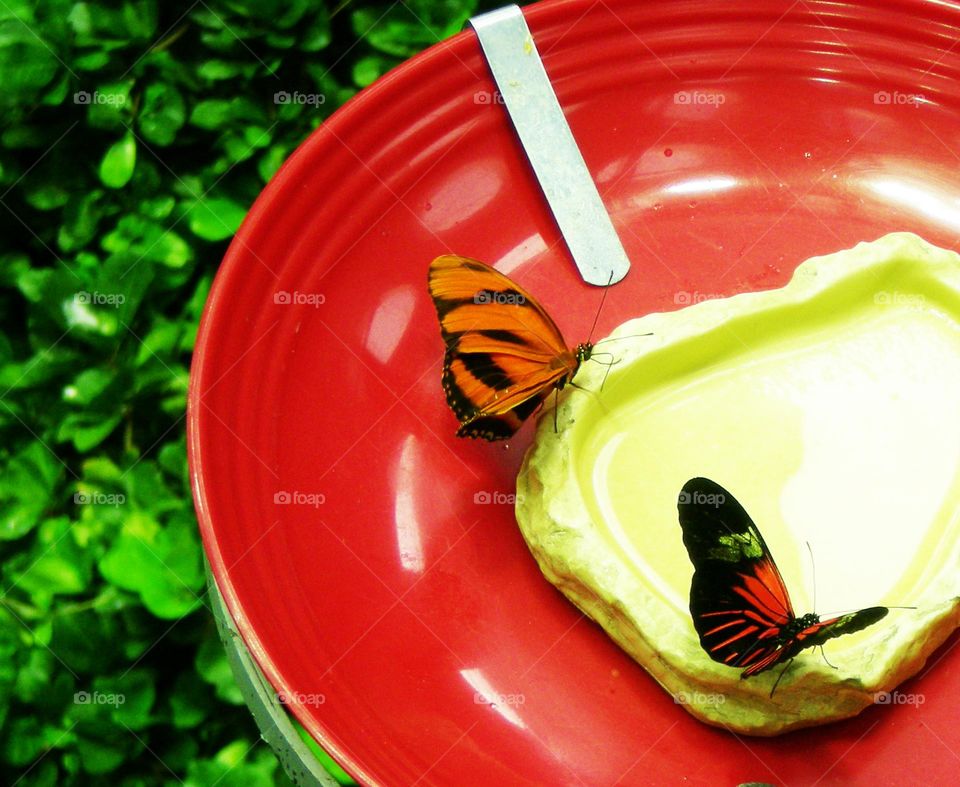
[748, 632]
[738, 601]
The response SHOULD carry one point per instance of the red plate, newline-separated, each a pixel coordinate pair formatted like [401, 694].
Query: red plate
[730, 142]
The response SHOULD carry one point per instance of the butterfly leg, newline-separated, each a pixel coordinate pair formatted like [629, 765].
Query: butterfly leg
[823, 653]
[777, 681]
[609, 366]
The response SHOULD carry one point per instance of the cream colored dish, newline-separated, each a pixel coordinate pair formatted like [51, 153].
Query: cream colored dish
[831, 407]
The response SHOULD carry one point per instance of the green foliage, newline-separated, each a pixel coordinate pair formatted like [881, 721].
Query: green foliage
[134, 136]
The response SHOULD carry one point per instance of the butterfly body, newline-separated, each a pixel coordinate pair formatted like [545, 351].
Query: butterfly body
[739, 603]
[504, 354]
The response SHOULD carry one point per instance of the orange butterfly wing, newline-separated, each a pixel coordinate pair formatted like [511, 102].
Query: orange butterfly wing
[504, 353]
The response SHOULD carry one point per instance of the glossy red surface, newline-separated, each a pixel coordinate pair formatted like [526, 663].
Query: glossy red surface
[730, 142]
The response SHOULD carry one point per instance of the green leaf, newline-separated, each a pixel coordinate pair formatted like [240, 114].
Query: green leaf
[23, 136]
[26, 489]
[161, 342]
[208, 772]
[145, 240]
[91, 61]
[369, 69]
[85, 313]
[101, 750]
[108, 104]
[182, 749]
[271, 161]
[135, 694]
[162, 565]
[80, 19]
[88, 385]
[216, 113]
[24, 742]
[405, 28]
[216, 70]
[211, 114]
[318, 34]
[87, 429]
[53, 573]
[157, 207]
[46, 365]
[84, 641]
[190, 701]
[80, 220]
[34, 675]
[56, 92]
[173, 460]
[55, 565]
[101, 470]
[140, 19]
[147, 489]
[46, 195]
[118, 162]
[237, 764]
[130, 277]
[27, 62]
[281, 41]
[216, 218]
[163, 113]
[214, 668]
[10, 644]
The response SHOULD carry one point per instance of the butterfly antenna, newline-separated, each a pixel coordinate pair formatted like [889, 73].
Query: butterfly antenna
[600, 307]
[621, 338]
[813, 568]
[777, 681]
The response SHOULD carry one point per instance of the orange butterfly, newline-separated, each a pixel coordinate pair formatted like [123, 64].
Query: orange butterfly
[504, 353]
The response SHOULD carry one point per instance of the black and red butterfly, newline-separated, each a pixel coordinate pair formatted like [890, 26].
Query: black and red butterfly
[740, 606]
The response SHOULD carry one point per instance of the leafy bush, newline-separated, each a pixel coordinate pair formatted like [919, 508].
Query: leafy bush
[135, 135]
